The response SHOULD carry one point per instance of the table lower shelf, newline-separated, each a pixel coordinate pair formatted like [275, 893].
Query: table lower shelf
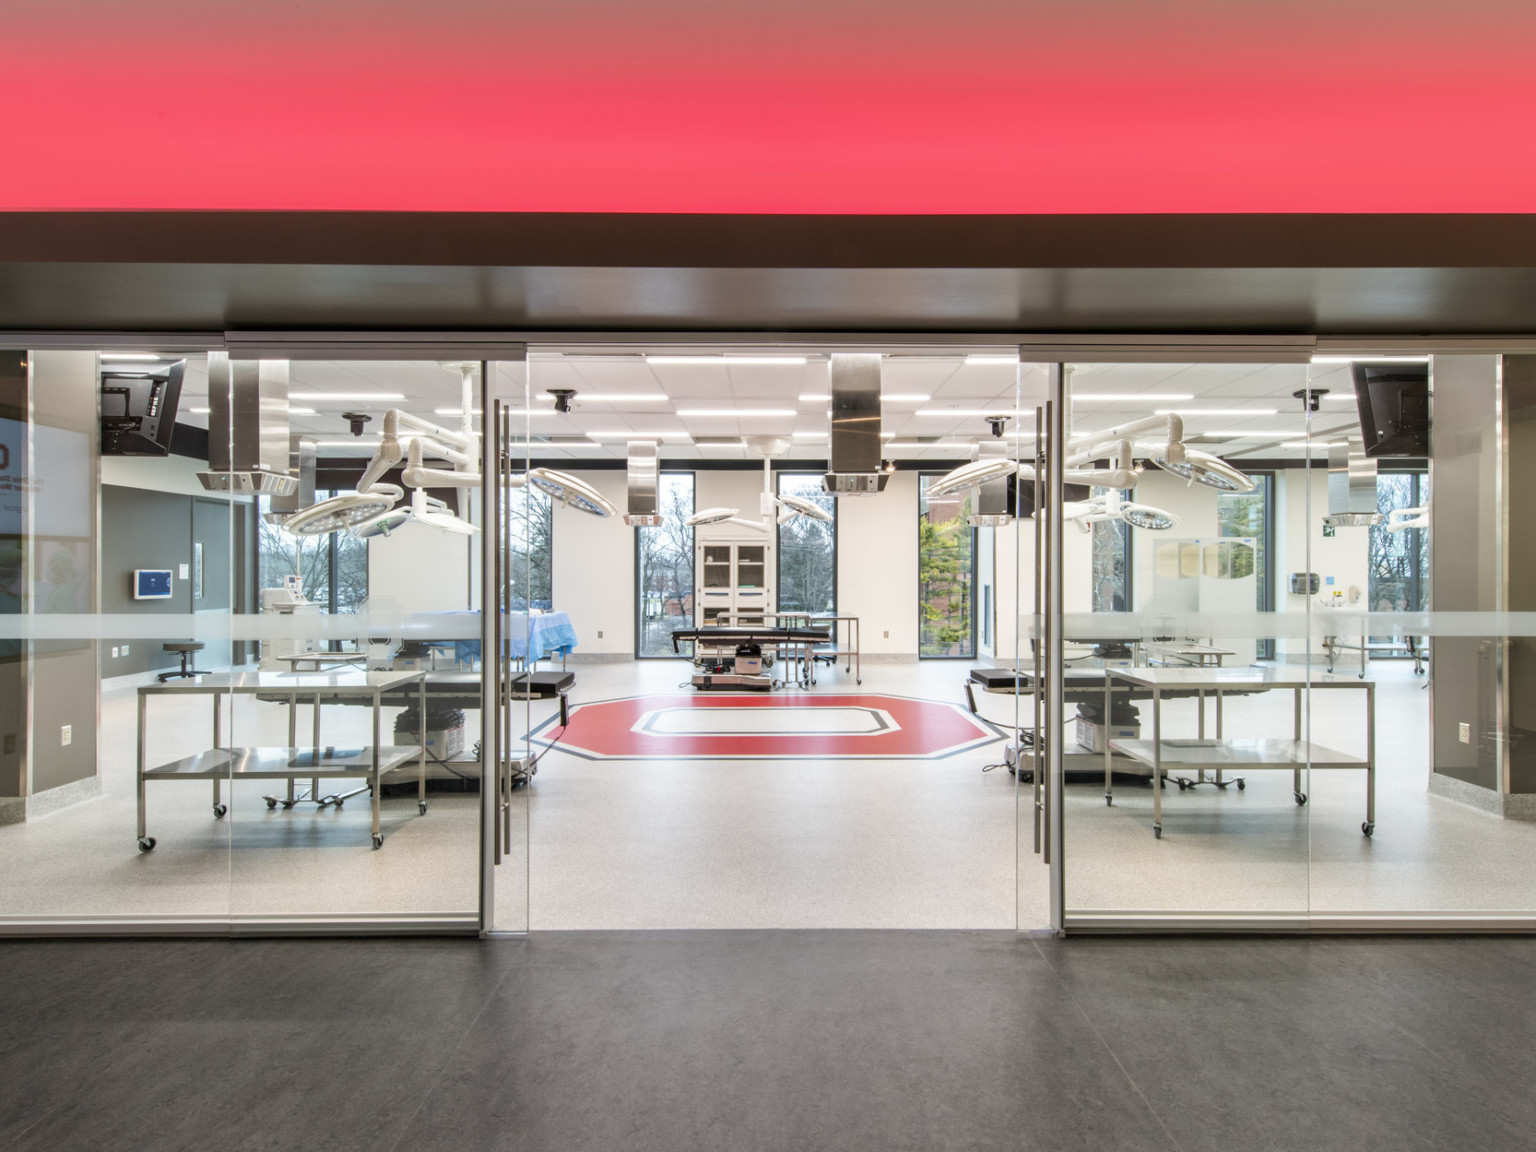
[284, 763]
[1249, 753]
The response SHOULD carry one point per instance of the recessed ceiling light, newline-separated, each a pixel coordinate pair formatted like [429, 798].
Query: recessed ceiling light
[129, 356]
[737, 412]
[810, 435]
[460, 412]
[205, 411]
[725, 360]
[1214, 412]
[292, 411]
[1315, 444]
[1243, 435]
[905, 397]
[636, 435]
[618, 397]
[1339, 397]
[346, 396]
[1133, 396]
[991, 358]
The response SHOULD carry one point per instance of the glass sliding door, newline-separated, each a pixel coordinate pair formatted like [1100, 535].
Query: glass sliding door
[352, 733]
[1186, 763]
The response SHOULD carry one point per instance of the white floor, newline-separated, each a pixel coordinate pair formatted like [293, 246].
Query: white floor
[835, 843]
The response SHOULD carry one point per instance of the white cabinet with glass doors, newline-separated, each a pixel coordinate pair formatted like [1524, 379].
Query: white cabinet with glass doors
[732, 582]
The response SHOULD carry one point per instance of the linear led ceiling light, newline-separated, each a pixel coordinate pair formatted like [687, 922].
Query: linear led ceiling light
[964, 413]
[1370, 359]
[345, 396]
[991, 358]
[737, 412]
[1168, 397]
[1214, 412]
[130, 356]
[730, 361]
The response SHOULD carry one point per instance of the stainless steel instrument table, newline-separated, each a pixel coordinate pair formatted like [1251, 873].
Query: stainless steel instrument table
[1246, 753]
[366, 764]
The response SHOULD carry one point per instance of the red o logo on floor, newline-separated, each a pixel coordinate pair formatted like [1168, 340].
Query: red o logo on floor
[781, 726]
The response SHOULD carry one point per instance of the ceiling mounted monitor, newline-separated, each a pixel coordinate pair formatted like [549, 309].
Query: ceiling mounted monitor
[1393, 399]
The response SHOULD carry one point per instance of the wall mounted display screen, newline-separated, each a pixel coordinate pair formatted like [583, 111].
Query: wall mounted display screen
[151, 583]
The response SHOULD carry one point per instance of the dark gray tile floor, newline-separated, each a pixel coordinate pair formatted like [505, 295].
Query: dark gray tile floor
[770, 1040]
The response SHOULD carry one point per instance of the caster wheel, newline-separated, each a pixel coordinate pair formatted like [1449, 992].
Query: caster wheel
[1301, 798]
[378, 840]
[421, 807]
[146, 843]
[271, 804]
[1241, 785]
[1157, 831]
[219, 810]
[338, 805]
[1182, 786]
[1368, 828]
[1109, 801]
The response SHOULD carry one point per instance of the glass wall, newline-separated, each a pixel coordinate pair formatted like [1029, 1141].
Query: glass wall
[946, 574]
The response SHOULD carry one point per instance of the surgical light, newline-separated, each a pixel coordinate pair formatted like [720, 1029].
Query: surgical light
[571, 492]
[340, 512]
[1145, 516]
[1203, 468]
[972, 475]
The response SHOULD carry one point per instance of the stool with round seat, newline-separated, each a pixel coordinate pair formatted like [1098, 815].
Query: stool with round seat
[185, 649]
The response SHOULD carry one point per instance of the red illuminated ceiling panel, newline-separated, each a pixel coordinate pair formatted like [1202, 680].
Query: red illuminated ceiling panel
[969, 106]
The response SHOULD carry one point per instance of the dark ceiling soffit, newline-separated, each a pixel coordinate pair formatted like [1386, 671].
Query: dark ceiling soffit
[530, 240]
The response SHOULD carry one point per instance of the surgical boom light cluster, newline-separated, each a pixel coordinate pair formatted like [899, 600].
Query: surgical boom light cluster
[373, 508]
[1122, 452]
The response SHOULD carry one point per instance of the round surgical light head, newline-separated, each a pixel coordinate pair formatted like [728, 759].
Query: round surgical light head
[1212, 471]
[710, 516]
[972, 474]
[570, 491]
[1146, 516]
[382, 524]
[337, 514]
[804, 507]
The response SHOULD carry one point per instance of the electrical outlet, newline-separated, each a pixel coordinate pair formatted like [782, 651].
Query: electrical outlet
[66, 735]
[1464, 733]
[114, 653]
[125, 649]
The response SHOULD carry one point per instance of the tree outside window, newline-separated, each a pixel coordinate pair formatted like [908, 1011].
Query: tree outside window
[808, 550]
[664, 557]
[946, 563]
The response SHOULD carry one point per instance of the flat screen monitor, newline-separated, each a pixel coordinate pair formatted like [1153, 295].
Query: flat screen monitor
[1394, 408]
[138, 410]
[1021, 497]
[151, 583]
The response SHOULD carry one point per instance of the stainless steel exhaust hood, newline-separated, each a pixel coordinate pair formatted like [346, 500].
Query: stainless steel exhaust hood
[1351, 488]
[301, 464]
[854, 461]
[248, 426]
[644, 479]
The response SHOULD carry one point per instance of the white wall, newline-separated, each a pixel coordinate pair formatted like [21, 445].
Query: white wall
[877, 567]
[420, 569]
[594, 573]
